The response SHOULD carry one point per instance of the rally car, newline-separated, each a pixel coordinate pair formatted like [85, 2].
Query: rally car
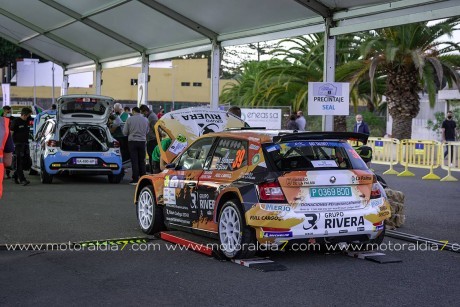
[77, 141]
[247, 187]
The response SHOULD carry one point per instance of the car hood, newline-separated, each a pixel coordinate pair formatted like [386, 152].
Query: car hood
[84, 109]
[185, 125]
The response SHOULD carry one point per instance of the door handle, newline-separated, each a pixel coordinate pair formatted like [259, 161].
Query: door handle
[191, 184]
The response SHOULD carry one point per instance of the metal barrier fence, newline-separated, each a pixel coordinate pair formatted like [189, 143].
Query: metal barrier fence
[420, 154]
[425, 154]
[451, 159]
[385, 151]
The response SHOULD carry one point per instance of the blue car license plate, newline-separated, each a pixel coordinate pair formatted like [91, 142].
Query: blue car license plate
[85, 161]
[330, 192]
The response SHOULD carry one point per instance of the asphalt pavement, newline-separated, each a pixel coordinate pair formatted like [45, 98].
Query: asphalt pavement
[75, 209]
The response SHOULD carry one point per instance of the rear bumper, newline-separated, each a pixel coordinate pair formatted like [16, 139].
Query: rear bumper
[109, 164]
[278, 223]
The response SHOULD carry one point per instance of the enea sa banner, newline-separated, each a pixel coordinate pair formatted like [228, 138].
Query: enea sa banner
[328, 98]
[268, 118]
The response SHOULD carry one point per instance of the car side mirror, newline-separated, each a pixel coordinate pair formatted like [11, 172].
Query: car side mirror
[170, 166]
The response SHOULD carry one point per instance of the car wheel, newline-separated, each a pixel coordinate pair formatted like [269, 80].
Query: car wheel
[116, 178]
[237, 240]
[149, 215]
[44, 176]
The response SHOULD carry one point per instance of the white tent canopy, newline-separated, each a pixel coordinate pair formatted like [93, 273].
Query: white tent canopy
[78, 34]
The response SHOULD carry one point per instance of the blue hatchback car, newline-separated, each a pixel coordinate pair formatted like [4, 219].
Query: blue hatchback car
[77, 140]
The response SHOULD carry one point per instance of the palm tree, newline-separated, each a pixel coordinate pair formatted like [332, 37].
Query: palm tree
[410, 58]
[250, 86]
[306, 59]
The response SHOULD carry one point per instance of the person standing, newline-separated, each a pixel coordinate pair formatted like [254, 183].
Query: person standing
[124, 116]
[448, 133]
[151, 138]
[301, 121]
[292, 124]
[6, 111]
[6, 148]
[136, 128]
[20, 131]
[161, 112]
[360, 126]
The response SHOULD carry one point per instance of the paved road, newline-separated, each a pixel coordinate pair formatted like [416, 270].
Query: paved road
[88, 208]
[432, 207]
[182, 278]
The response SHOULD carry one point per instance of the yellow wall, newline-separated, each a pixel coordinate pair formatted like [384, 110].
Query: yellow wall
[117, 84]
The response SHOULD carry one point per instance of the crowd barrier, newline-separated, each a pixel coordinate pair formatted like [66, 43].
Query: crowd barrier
[425, 154]
[451, 159]
[385, 151]
[420, 154]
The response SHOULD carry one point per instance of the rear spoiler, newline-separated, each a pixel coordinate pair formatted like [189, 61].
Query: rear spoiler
[326, 135]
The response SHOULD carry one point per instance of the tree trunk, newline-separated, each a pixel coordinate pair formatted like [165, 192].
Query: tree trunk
[340, 123]
[403, 99]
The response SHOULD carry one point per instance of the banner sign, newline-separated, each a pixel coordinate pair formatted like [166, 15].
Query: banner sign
[6, 94]
[328, 98]
[268, 118]
[141, 99]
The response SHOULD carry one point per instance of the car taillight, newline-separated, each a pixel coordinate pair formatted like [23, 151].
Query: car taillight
[116, 144]
[377, 190]
[51, 143]
[271, 191]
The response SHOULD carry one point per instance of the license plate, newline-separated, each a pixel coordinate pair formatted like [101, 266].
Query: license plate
[85, 161]
[330, 192]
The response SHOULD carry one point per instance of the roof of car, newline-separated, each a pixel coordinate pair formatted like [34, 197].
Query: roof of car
[270, 136]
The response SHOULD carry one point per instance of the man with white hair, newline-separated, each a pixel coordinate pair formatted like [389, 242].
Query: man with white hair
[116, 129]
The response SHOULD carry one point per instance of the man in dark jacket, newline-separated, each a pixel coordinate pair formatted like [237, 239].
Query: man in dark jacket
[361, 126]
[20, 131]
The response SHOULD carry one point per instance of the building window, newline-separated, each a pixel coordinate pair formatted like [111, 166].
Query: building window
[185, 84]
[133, 81]
[196, 83]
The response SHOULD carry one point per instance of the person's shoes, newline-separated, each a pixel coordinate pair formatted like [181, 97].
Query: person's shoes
[133, 182]
[25, 182]
[16, 180]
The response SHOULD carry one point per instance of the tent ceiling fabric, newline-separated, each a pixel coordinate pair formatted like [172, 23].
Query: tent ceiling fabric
[75, 34]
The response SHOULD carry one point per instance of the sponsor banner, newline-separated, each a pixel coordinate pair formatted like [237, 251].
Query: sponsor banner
[328, 98]
[141, 97]
[6, 94]
[268, 118]
[169, 196]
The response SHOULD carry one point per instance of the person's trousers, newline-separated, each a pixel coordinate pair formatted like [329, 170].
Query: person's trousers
[150, 147]
[446, 152]
[137, 153]
[20, 150]
[124, 150]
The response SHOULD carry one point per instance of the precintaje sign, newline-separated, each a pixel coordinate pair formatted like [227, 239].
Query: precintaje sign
[328, 98]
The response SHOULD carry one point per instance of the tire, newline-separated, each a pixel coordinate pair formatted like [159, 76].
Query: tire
[116, 178]
[149, 215]
[44, 176]
[237, 240]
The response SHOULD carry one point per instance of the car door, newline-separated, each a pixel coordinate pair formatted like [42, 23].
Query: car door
[227, 163]
[35, 147]
[180, 185]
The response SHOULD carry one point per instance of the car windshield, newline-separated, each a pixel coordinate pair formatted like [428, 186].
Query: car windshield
[308, 155]
[83, 105]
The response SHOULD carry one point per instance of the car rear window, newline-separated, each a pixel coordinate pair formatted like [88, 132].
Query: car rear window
[308, 155]
[83, 105]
